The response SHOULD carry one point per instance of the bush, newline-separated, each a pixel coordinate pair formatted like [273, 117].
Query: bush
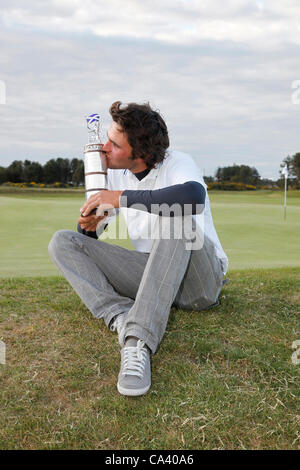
[15, 185]
[273, 188]
[58, 185]
[33, 184]
[231, 186]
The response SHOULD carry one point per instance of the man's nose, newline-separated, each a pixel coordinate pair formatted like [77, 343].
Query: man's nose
[106, 146]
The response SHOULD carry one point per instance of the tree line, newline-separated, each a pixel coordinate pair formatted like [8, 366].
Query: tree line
[59, 170]
[66, 171]
[293, 166]
[250, 176]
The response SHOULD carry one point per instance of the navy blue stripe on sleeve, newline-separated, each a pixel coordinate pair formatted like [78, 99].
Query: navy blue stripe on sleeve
[183, 199]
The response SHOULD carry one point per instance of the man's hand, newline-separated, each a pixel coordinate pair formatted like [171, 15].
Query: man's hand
[101, 202]
[90, 222]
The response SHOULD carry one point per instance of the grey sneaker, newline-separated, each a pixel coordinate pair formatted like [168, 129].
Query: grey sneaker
[118, 325]
[135, 374]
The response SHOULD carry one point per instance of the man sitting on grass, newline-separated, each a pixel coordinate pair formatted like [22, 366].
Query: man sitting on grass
[178, 259]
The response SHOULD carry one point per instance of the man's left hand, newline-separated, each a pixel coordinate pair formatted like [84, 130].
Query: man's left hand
[103, 200]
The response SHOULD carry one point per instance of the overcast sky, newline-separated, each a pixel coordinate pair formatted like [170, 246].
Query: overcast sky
[220, 72]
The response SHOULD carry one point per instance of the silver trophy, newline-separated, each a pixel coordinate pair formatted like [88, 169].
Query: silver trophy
[95, 168]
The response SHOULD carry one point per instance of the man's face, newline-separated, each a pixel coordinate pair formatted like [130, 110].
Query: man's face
[119, 151]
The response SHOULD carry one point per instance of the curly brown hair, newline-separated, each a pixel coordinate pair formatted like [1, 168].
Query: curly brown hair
[146, 131]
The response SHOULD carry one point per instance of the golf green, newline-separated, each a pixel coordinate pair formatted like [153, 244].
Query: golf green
[250, 225]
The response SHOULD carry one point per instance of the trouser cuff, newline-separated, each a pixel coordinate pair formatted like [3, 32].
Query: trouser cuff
[144, 335]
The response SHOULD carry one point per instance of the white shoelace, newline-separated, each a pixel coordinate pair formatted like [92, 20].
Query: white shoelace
[135, 359]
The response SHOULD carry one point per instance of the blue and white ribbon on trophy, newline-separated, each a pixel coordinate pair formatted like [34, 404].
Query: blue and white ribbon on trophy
[93, 125]
[92, 118]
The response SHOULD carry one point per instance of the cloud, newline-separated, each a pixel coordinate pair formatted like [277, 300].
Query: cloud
[220, 73]
[174, 21]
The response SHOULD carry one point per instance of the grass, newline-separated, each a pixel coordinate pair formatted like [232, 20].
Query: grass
[29, 223]
[40, 192]
[250, 226]
[222, 378]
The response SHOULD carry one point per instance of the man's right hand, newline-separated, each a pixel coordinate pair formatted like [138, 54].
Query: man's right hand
[90, 222]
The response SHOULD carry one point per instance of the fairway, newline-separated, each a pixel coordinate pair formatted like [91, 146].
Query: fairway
[252, 229]
[250, 226]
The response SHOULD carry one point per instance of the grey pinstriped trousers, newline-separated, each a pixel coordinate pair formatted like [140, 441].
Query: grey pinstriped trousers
[111, 280]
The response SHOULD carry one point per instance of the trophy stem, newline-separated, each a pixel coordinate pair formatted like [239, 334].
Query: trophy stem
[95, 174]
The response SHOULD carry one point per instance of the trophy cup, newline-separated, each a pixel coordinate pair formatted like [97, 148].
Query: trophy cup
[95, 168]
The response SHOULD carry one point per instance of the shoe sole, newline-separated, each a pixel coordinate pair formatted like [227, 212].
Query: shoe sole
[133, 392]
